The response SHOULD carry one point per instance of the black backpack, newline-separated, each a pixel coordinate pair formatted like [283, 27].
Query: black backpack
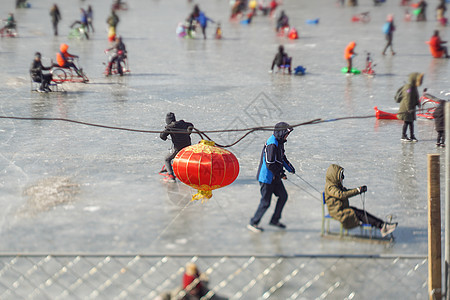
[399, 95]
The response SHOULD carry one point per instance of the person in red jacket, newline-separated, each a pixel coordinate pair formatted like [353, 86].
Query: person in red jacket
[193, 281]
[64, 58]
[436, 45]
[349, 54]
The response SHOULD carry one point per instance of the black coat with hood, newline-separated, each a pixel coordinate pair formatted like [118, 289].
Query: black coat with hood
[178, 131]
[439, 116]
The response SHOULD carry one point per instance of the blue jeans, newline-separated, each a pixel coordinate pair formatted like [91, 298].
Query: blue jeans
[276, 188]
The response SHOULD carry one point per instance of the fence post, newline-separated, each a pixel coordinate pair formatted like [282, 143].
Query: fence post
[447, 201]
[434, 228]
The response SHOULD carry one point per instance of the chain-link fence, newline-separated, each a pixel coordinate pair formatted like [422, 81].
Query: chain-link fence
[233, 277]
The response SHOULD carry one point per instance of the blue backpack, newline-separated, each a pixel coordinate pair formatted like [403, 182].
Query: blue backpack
[386, 27]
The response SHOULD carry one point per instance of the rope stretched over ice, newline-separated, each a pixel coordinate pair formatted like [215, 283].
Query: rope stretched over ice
[201, 133]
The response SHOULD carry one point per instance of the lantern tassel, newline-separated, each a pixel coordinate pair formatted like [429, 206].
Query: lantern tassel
[203, 195]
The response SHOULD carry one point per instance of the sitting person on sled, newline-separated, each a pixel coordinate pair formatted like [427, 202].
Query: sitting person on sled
[64, 59]
[38, 76]
[10, 23]
[283, 21]
[336, 198]
[118, 55]
[282, 60]
[437, 47]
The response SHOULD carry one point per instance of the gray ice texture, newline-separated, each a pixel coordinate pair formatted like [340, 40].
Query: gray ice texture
[68, 188]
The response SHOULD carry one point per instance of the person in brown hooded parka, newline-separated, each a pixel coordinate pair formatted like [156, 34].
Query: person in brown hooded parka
[408, 102]
[336, 198]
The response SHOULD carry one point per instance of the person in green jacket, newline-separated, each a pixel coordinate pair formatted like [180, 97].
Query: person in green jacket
[336, 198]
[408, 101]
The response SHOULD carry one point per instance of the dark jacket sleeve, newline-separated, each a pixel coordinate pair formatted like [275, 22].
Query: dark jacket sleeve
[287, 165]
[273, 62]
[45, 68]
[163, 135]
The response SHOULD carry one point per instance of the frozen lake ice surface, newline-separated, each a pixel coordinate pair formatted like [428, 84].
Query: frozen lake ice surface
[66, 187]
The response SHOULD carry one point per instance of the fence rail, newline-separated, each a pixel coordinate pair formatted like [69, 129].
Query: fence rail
[103, 276]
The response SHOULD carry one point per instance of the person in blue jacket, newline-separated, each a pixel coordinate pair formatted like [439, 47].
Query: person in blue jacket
[202, 19]
[270, 172]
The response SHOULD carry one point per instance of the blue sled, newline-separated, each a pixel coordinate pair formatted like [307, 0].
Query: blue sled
[313, 22]
[300, 70]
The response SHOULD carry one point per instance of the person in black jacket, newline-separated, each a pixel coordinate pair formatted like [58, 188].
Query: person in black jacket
[38, 76]
[179, 132]
[56, 17]
[439, 122]
[118, 55]
[281, 60]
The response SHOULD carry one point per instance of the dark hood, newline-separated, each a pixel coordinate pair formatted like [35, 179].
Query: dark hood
[170, 117]
[281, 129]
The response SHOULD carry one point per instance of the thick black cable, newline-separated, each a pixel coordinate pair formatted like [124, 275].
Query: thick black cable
[201, 133]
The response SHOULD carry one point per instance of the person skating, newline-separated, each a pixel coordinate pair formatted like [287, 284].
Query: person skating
[119, 53]
[90, 18]
[439, 122]
[203, 20]
[192, 19]
[38, 76]
[409, 99]
[389, 33]
[56, 17]
[113, 20]
[336, 198]
[179, 132]
[83, 20]
[281, 60]
[422, 16]
[270, 173]
[440, 13]
[349, 54]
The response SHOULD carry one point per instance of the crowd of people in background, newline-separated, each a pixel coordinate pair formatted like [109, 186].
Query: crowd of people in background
[273, 161]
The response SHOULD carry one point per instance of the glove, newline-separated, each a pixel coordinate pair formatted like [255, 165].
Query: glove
[362, 189]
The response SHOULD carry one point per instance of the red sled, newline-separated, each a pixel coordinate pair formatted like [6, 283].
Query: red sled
[382, 115]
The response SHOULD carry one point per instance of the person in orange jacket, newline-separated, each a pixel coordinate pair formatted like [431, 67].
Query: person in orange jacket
[64, 58]
[437, 47]
[349, 54]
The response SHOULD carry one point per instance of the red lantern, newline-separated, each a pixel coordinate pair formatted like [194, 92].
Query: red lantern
[205, 167]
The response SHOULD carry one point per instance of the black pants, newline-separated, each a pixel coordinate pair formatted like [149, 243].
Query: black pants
[44, 80]
[168, 161]
[405, 128]
[349, 65]
[55, 28]
[116, 59]
[276, 188]
[367, 218]
[389, 43]
[441, 137]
